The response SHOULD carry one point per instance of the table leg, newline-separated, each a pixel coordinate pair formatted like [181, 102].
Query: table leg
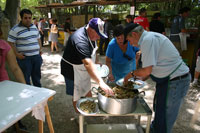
[138, 119]
[40, 126]
[50, 125]
[81, 121]
[148, 123]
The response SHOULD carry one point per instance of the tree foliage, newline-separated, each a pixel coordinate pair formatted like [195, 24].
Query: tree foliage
[166, 8]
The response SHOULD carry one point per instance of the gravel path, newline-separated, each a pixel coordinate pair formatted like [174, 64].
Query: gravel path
[65, 120]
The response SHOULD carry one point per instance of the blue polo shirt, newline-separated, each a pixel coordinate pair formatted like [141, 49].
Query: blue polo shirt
[115, 53]
[159, 52]
[121, 65]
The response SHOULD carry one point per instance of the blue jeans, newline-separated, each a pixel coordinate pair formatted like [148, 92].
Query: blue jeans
[167, 101]
[69, 86]
[176, 93]
[31, 68]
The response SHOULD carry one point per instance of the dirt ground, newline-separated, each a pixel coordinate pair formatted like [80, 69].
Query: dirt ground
[65, 120]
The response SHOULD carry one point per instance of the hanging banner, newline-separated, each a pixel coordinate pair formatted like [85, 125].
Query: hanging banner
[49, 15]
[132, 11]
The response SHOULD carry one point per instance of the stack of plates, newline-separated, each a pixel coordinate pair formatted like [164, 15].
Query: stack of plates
[103, 70]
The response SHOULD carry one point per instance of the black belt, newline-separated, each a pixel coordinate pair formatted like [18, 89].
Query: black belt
[180, 77]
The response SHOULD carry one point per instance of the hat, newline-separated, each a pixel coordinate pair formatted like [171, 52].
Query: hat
[128, 29]
[98, 25]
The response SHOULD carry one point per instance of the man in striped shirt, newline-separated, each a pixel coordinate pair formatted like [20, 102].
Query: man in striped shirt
[25, 41]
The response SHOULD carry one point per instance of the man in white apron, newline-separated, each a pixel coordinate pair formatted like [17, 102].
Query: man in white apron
[161, 61]
[77, 64]
[178, 30]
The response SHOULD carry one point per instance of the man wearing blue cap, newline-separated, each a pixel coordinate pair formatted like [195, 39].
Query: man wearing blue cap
[77, 64]
[161, 61]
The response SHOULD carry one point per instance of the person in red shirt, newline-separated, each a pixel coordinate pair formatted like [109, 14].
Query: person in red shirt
[142, 20]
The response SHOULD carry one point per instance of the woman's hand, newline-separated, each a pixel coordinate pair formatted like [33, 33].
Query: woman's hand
[128, 76]
[111, 77]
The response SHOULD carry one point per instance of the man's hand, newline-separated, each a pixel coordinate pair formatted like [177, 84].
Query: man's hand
[106, 88]
[41, 52]
[20, 56]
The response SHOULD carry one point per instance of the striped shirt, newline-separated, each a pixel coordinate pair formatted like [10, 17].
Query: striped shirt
[25, 39]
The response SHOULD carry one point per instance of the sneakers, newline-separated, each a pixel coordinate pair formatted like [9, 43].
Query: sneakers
[195, 84]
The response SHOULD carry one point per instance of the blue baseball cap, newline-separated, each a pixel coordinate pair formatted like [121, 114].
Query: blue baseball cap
[98, 25]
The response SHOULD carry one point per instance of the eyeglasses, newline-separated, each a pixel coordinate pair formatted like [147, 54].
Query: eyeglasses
[127, 56]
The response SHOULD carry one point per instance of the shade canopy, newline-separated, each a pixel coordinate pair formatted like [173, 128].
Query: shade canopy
[99, 2]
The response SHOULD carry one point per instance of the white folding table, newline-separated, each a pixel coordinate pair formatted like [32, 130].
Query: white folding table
[17, 100]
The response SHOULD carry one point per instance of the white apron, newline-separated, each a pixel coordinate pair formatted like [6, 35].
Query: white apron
[82, 80]
[183, 40]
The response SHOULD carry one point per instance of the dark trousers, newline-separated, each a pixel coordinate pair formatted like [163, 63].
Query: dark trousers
[102, 49]
[42, 38]
[31, 68]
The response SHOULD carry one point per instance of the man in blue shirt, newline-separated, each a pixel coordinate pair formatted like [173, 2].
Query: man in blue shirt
[161, 61]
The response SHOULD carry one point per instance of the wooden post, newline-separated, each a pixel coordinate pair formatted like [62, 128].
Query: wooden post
[86, 14]
[94, 11]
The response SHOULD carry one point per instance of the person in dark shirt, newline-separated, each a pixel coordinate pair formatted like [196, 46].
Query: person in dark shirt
[77, 64]
[156, 25]
[67, 31]
[129, 19]
[108, 28]
[178, 27]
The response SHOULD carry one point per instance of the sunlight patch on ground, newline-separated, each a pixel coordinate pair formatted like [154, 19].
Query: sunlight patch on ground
[196, 127]
[191, 111]
[52, 58]
[51, 68]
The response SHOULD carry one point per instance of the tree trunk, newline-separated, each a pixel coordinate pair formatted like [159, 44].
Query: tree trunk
[12, 11]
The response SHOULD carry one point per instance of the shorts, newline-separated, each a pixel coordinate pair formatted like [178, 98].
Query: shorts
[69, 86]
[197, 68]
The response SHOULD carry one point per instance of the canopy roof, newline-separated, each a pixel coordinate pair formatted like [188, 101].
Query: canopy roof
[99, 2]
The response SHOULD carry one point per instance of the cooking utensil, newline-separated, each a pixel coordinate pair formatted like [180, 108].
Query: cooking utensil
[118, 106]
